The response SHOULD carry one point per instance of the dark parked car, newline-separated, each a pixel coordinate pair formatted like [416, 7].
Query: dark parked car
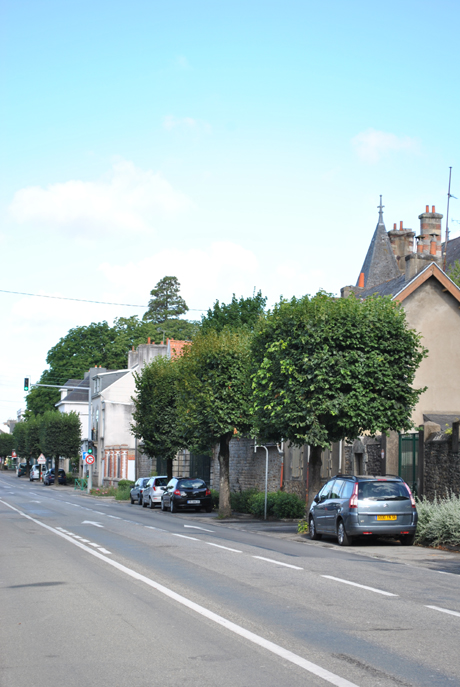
[186, 492]
[351, 506]
[49, 477]
[22, 469]
[151, 496]
[137, 490]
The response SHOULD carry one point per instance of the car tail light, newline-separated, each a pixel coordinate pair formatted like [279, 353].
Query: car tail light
[353, 502]
[208, 493]
[404, 533]
[154, 487]
[177, 493]
[412, 500]
[367, 532]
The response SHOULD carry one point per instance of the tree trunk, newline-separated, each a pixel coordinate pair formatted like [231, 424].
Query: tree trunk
[225, 509]
[169, 468]
[314, 474]
[56, 471]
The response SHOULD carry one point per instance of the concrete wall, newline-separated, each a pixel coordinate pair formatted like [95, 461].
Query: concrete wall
[436, 315]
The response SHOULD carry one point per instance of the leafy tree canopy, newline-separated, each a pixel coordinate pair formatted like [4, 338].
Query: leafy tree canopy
[166, 303]
[85, 347]
[245, 312]
[6, 444]
[60, 436]
[215, 396]
[156, 418]
[326, 369]
[454, 273]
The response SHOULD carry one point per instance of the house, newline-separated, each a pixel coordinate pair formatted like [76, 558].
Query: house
[431, 302]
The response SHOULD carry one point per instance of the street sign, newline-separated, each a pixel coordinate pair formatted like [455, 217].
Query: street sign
[13, 454]
[90, 460]
[84, 454]
[41, 460]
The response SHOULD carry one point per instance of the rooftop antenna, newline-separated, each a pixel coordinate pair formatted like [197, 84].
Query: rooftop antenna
[449, 196]
[380, 207]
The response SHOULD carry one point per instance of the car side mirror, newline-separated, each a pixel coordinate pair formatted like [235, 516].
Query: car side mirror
[316, 499]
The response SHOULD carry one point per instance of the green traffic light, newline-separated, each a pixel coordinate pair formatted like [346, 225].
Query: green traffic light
[90, 450]
[26, 384]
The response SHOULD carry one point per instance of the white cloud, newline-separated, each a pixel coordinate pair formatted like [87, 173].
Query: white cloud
[215, 272]
[182, 62]
[371, 145]
[129, 199]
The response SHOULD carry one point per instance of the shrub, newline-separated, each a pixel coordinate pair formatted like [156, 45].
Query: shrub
[122, 493]
[215, 498]
[439, 521]
[104, 491]
[279, 505]
[123, 483]
[70, 477]
[239, 500]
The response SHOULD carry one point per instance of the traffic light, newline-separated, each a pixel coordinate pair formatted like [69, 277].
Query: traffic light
[26, 383]
[90, 447]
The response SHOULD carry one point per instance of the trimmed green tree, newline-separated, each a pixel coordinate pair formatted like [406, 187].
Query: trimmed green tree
[6, 445]
[327, 369]
[215, 397]
[243, 312]
[156, 418]
[60, 437]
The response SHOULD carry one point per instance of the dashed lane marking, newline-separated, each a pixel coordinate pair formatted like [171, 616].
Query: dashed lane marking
[361, 586]
[286, 565]
[444, 610]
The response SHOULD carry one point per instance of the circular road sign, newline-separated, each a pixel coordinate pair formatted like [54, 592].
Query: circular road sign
[90, 459]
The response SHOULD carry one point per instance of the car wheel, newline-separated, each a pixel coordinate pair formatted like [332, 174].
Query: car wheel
[132, 500]
[151, 505]
[144, 503]
[312, 529]
[342, 536]
[140, 500]
[172, 507]
[162, 505]
[407, 539]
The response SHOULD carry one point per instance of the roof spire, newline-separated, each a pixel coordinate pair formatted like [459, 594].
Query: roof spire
[380, 207]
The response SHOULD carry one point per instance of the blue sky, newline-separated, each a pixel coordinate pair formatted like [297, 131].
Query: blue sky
[232, 144]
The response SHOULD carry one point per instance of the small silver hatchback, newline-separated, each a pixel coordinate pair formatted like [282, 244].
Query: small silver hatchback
[350, 506]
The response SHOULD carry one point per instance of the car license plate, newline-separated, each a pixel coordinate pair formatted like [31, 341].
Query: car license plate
[194, 502]
[386, 517]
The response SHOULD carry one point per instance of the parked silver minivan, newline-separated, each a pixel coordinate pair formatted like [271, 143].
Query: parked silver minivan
[349, 506]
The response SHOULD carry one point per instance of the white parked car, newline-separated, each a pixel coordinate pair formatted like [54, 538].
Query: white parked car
[34, 472]
[153, 491]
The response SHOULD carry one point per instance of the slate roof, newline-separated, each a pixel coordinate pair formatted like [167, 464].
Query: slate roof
[76, 396]
[380, 264]
[388, 288]
[453, 252]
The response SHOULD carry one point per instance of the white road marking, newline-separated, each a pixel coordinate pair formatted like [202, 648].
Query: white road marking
[206, 613]
[286, 565]
[103, 550]
[362, 586]
[184, 536]
[223, 547]
[194, 527]
[35, 502]
[90, 522]
[98, 512]
[91, 543]
[85, 541]
[115, 517]
[444, 610]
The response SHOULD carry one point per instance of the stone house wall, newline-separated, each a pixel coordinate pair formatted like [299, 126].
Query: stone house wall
[247, 469]
[441, 468]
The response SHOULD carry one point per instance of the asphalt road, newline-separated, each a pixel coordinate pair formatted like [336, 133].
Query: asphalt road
[96, 592]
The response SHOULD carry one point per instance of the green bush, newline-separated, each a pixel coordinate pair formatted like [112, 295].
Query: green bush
[123, 493]
[439, 521]
[279, 505]
[215, 498]
[70, 477]
[239, 500]
[123, 483]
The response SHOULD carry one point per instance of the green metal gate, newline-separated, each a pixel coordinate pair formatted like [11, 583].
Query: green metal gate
[200, 466]
[408, 459]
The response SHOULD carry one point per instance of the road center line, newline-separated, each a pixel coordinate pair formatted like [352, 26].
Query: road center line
[444, 610]
[362, 586]
[270, 560]
[195, 527]
[149, 527]
[184, 536]
[201, 610]
[115, 517]
[227, 548]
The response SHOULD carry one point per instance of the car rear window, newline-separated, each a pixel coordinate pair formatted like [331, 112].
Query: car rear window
[145, 482]
[192, 483]
[161, 481]
[381, 490]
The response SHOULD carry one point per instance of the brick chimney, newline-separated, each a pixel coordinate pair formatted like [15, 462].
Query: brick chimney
[429, 248]
[402, 244]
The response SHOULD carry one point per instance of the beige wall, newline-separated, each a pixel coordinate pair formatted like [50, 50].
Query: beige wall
[436, 315]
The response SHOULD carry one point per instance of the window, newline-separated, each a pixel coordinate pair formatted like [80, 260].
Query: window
[347, 489]
[324, 493]
[336, 489]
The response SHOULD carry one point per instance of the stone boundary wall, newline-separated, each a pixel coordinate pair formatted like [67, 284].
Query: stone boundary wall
[295, 486]
[247, 469]
[442, 467]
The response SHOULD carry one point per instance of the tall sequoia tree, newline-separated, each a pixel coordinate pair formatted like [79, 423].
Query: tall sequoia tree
[326, 369]
[156, 418]
[215, 397]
